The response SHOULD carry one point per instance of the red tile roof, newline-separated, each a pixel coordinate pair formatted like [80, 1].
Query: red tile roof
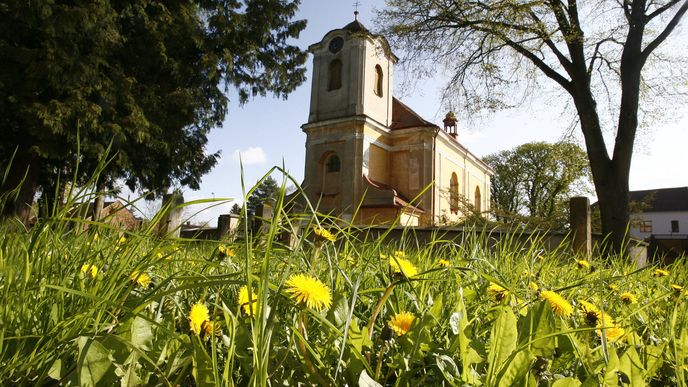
[403, 117]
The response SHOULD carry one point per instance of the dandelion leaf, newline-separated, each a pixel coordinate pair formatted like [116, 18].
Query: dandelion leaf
[631, 366]
[611, 376]
[515, 370]
[566, 382]
[95, 363]
[503, 339]
[364, 380]
[202, 365]
[537, 328]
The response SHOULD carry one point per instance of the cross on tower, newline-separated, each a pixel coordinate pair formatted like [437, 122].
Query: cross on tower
[356, 4]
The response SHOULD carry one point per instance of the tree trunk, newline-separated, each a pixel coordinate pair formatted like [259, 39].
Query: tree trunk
[99, 202]
[20, 186]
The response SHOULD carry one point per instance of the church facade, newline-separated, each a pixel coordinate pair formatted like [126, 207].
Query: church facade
[370, 159]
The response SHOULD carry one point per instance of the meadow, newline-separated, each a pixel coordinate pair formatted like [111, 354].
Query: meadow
[102, 307]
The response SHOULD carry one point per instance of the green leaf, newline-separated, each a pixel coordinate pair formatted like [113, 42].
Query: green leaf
[203, 372]
[448, 368]
[566, 382]
[94, 362]
[515, 371]
[503, 340]
[141, 333]
[536, 326]
[611, 378]
[631, 366]
[364, 380]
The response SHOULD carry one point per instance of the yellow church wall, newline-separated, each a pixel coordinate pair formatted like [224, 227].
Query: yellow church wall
[378, 167]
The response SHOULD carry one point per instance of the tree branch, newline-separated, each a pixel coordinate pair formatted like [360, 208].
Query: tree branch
[666, 32]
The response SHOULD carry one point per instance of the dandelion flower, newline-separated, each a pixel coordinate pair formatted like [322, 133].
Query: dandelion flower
[497, 292]
[90, 270]
[591, 313]
[628, 298]
[583, 264]
[324, 234]
[676, 288]
[402, 266]
[444, 262]
[611, 331]
[399, 254]
[309, 291]
[224, 251]
[559, 305]
[660, 273]
[533, 286]
[121, 240]
[401, 322]
[197, 316]
[142, 279]
[249, 309]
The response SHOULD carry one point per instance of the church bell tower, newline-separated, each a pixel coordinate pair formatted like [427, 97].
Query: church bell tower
[352, 75]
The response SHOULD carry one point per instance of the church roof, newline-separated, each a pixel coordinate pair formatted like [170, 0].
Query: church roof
[355, 26]
[404, 117]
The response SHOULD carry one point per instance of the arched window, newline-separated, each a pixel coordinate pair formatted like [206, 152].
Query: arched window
[334, 76]
[378, 80]
[477, 198]
[332, 164]
[454, 193]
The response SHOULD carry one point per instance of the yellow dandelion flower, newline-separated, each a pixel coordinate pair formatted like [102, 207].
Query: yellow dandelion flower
[324, 234]
[583, 264]
[591, 313]
[611, 331]
[660, 273]
[402, 266]
[310, 291]
[559, 305]
[401, 322]
[525, 274]
[224, 251]
[96, 237]
[444, 262]
[497, 292]
[90, 270]
[533, 286]
[628, 298]
[121, 240]
[399, 254]
[674, 287]
[197, 316]
[249, 309]
[158, 255]
[142, 279]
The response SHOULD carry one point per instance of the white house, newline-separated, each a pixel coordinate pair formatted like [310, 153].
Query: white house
[662, 213]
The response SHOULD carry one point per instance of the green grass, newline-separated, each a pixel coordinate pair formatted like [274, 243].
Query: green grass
[61, 326]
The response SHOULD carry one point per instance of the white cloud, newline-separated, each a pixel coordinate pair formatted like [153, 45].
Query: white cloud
[251, 155]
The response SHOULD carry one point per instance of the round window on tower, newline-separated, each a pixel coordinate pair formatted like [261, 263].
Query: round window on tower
[336, 44]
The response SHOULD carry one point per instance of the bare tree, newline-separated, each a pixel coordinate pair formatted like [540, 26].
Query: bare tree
[595, 52]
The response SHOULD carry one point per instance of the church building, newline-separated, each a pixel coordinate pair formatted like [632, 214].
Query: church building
[370, 159]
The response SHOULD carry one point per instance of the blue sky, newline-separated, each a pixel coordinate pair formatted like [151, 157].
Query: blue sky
[267, 131]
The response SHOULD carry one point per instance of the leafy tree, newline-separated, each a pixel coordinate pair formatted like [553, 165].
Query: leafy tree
[266, 192]
[236, 209]
[146, 78]
[594, 52]
[537, 179]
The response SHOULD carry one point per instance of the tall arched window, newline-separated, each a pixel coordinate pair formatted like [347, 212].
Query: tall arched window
[378, 80]
[333, 164]
[477, 199]
[334, 76]
[454, 193]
